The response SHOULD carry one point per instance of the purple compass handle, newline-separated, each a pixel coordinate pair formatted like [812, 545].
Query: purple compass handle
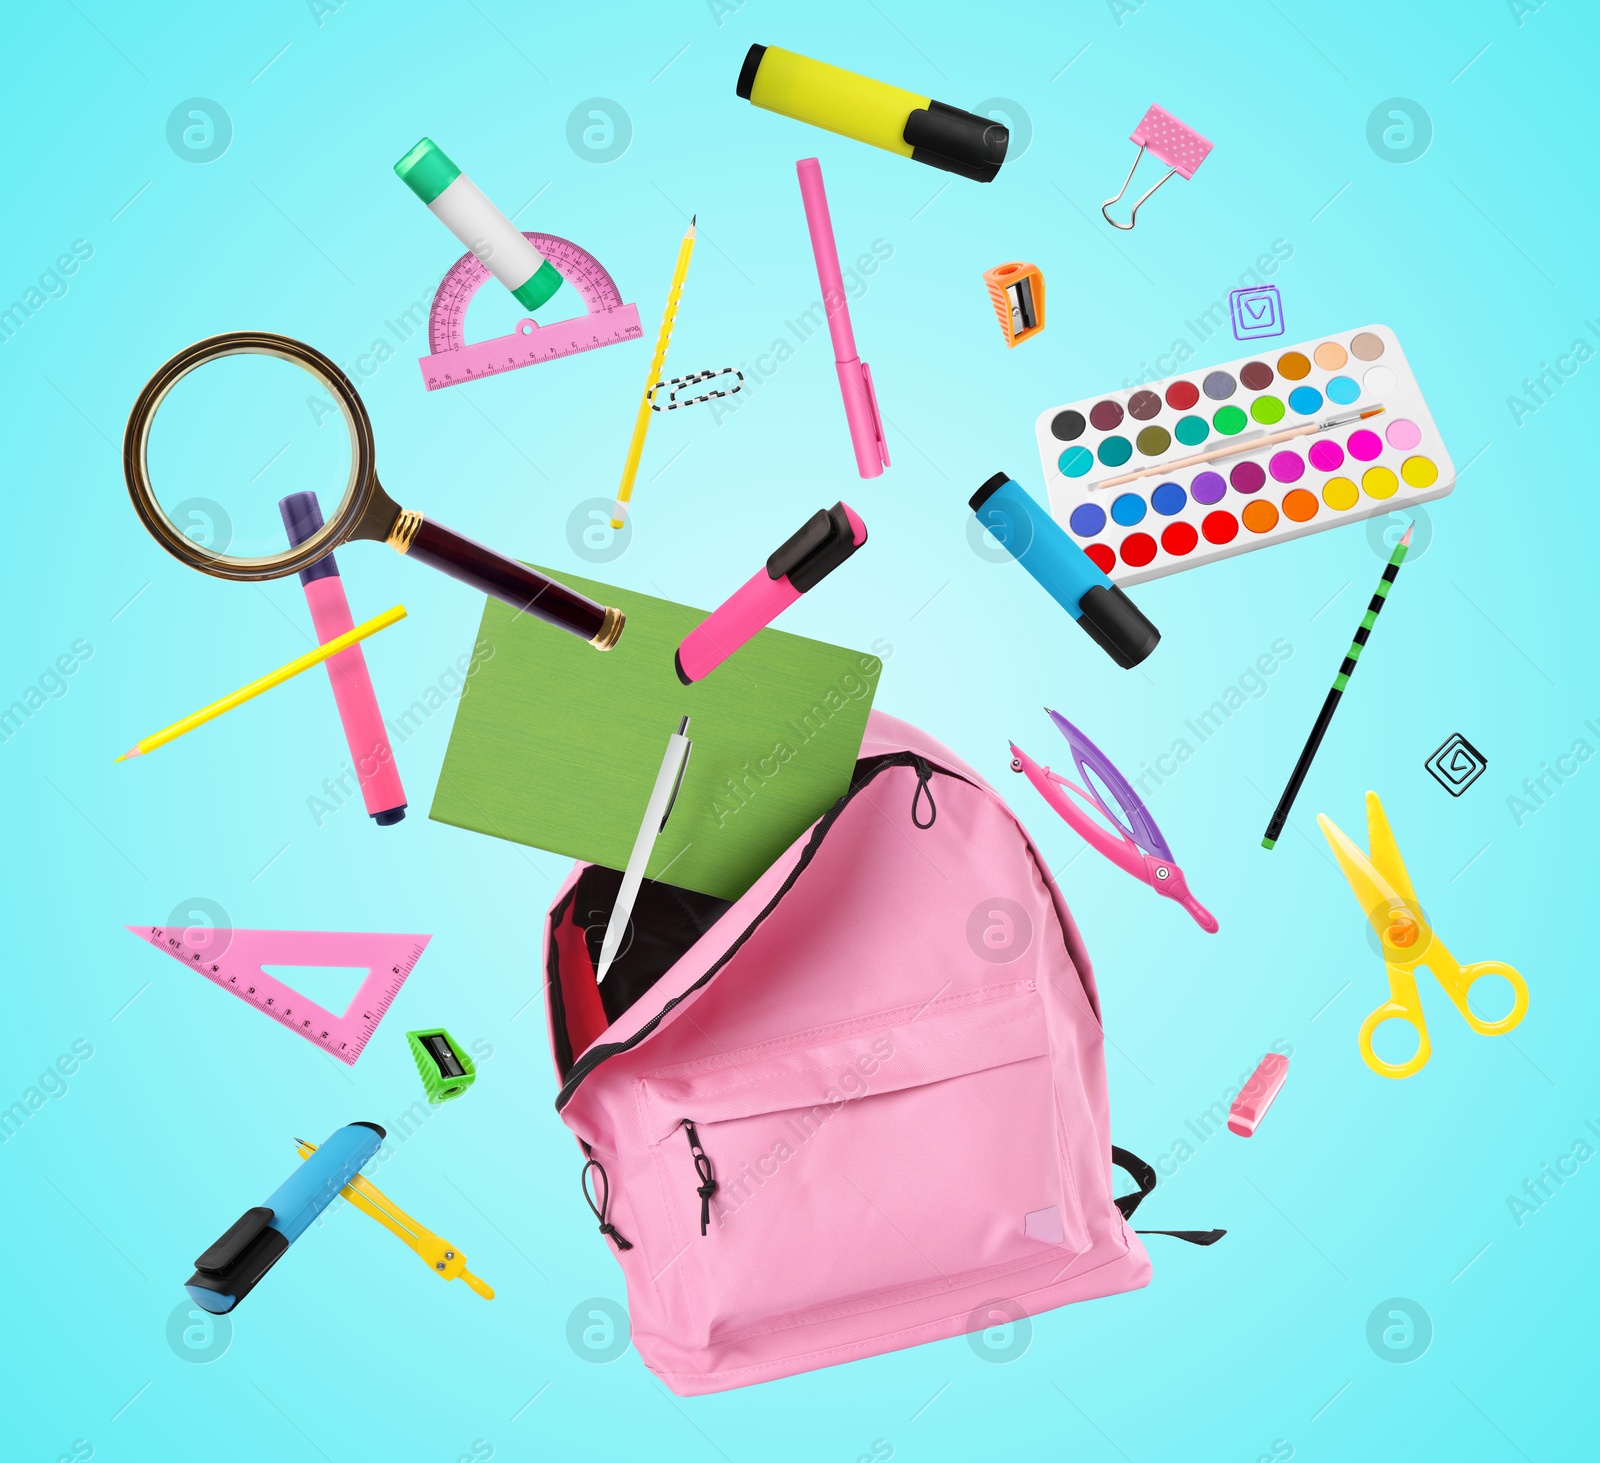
[1161, 874]
[1119, 848]
[1090, 758]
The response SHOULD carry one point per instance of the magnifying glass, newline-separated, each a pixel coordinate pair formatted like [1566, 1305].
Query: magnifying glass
[267, 416]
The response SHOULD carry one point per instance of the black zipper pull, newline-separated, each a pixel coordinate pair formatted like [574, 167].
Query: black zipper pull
[702, 1166]
[608, 1229]
[924, 789]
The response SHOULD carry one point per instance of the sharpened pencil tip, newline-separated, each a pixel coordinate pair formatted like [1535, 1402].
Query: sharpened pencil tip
[1405, 543]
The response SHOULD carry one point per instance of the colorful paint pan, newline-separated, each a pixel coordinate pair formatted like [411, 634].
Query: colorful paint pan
[1169, 518]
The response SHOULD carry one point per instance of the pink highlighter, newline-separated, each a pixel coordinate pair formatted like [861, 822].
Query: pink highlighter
[828, 538]
[855, 378]
[347, 671]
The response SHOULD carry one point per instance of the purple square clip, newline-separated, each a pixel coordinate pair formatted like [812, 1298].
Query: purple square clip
[1257, 312]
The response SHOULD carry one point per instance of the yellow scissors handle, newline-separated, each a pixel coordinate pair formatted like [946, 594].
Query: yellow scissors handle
[1403, 1004]
[1458, 981]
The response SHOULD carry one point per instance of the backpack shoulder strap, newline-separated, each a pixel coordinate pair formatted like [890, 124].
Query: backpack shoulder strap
[1145, 1176]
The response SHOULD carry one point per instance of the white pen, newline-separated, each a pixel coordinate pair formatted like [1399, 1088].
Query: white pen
[662, 796]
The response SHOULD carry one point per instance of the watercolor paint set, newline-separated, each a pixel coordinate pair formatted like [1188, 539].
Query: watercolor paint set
[1157, 478]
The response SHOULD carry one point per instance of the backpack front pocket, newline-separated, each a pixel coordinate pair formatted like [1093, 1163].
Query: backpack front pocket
[882, 1159]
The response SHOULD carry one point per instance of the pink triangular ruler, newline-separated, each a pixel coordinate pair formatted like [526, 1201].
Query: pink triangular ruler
[233, 960]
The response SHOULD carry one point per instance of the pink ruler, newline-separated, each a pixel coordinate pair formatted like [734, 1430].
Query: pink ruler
[233, 959]
[608, 321]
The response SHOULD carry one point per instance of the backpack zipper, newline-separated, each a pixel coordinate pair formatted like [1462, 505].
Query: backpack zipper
[925, 770]
[603, 1193]
[702, 1167]
[924, 789]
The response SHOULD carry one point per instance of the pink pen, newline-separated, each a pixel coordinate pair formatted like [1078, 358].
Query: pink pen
[828, 538]
[855, 378]
[347, 671]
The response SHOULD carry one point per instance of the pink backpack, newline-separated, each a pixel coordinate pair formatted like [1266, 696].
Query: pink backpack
[862, 1107]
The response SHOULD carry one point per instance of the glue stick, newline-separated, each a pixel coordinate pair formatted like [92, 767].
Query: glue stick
[459, 204]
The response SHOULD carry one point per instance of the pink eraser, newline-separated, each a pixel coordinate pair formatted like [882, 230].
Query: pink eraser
[1175, 143]
[1251, 1105]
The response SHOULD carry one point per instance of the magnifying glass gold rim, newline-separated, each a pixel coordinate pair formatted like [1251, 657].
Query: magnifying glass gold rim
[358, 493]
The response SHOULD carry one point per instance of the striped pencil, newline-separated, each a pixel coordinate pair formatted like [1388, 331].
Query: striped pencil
[1391, 570]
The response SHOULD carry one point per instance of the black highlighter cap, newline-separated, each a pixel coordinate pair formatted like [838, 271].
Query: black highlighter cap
[302, 517]
[233, 1266]
[812, 553]
[988, 490]
[959, 142]
[1115, 624]
[747, 72]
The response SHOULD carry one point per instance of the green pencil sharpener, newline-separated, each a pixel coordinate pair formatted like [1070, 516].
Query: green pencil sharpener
[445, 1069]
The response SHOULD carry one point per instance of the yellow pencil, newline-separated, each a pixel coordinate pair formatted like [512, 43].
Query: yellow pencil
[440, 1255]
[267, 682]
[641, 423]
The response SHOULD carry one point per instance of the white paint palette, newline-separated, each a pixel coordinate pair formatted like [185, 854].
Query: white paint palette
[1174, 517]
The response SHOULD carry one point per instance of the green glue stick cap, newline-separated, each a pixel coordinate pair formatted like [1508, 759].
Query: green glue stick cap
[539, 286]
[426, 171]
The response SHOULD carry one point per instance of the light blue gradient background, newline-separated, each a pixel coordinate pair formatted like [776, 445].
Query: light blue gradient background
[1480, 254]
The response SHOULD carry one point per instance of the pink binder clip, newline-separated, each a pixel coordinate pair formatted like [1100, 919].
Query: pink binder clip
[1180, 147]
[1251, 1105]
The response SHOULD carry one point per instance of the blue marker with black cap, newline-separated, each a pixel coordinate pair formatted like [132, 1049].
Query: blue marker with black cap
[1036, 541]
[230, 1269]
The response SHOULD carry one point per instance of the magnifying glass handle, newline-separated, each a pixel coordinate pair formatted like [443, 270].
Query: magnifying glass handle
[494, 574]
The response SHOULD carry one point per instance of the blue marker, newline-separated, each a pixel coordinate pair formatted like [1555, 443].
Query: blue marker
[229, 1270]
[1069, 575]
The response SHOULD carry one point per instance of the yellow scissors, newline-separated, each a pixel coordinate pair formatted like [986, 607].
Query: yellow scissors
[1383, 889]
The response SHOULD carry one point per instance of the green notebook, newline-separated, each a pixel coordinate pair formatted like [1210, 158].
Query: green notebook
[557, 745]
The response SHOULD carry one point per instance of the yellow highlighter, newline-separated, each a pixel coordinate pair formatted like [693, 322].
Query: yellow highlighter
[870, 111]
[440, 1256]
